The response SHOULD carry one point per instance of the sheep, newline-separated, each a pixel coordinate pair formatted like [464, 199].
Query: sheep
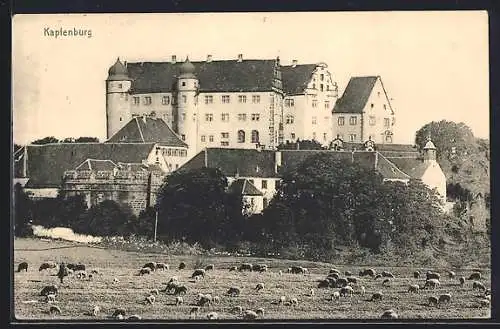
[171, 285]
[150, 299]
[389, 314]
[259, 268]
[370, 272]
[386, 282]
[347, 273]
[47, 265]
[237, 309]
[209, 267]
[362, 290]
[324, 284]
[451, 274]
[336, 276]
[162, 266]
[53, 310]
[433, 283]
[179, 300]
[478, 285]
[352, 279]
[180, 290]
[119, 317]
[341, 283]
[96, 310]
[154, 292]
[81, 275]
[484, 302]
[462, 281]
[204, 300]
[52, 289]
[475, 276]
[233, 291]
[50, 298]
[144, 270]
[298, 270]
[444, 298]
[294, 301]
[259, 286]
[76, 267]
[250, 315]
[118, 311]
[416, 274]
[260, 311]
[346, 291]
[22, 267]
[376, 296]
[305, 270]
[334, 270]
[432, 300]
[216, 300]
[150, 265]
[198, 278]
[414, 288]
[212, 316]
[197, 272]
[282, 300]
[432, 275]
[289, 270]
[182, 266]
[332, 283]
[233, 268]
[336, 295]
[245, 267]
[311, 292]
[280, 272]
[134, 317]
[94, 272]
[387, 274]
[378, 276]
[194, 311]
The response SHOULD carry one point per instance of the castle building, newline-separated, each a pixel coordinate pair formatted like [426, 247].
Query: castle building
[225, 103]
[364, 112]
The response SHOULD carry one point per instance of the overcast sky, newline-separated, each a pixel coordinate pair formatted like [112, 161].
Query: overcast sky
[433, 64]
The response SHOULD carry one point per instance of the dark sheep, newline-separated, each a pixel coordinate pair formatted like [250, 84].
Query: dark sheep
[133, 318]
[461, 280]
[182, 265]
[297, 270]
[352, 279]
[47, 265]
[416, 274]
[386, 282]
[233, 268]
[389, 314]
[432, 300]
[378, 276]
[432, 275]
[451, 274]
[245, 267]
[387, 274]
[49, 290]
[475, 276]
[209, 267]
[22, 267]
[376, 296]
[180, 290]
[198, 272]
[478, 285]
[234, 291]
[333, 270]
[170, 287]
[332, 283]
[162, 266]
[145, 270]
[119, 311]
[76, 267]
[371, 272]
[150, 265]
[341, 283]
[347, 273]
[53, 310]
[336, 276]
[324, 284]
[259, 268]
[346, 291]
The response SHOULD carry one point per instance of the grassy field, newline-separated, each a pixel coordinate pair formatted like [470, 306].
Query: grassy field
[78, 296]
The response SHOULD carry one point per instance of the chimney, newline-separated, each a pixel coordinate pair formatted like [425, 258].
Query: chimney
[240, 57]
[294, 63]
[174, 59]
[278, 60]
[144, 117]
[209, 58]
[277, 161]
[125, 63]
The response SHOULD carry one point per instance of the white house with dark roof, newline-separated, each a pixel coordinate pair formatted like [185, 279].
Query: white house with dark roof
[364, 112]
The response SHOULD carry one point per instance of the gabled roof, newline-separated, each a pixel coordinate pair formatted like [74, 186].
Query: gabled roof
[214, 76]
[295, 79]
[146, 129]
[389, 170]
[244, 187]
[413, 166]
[47, 163]
[97, 165]
[356, 95]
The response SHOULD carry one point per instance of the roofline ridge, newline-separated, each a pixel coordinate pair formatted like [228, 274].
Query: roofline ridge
[140, 130]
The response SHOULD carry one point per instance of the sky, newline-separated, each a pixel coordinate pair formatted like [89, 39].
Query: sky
[434, 65]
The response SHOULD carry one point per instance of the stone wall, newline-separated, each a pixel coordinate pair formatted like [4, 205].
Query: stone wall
[134, 189]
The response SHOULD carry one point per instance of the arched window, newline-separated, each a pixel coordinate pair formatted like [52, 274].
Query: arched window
[241, 136]
[255, 136]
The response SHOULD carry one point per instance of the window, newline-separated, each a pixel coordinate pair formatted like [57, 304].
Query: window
[327, 87]
[224, 135]
[120, 118]
[352, 137]
[255, 136]
[264, 184]
[183, 83]
[183, 137]
[176, 166]
[209, 99]
[184, 98]
[224, 143]
[314, 135]
[371, 105]
[265, 202]
[314, 86]
[165, 100]
[372, 121]
[292, 136]
[136, 100]
[324, 137]
[242, 117]
[255, 116]
[341, 121]
[183, 117]
[385, 106]
[169, 152]
[321, 87]
[225, 117]
[241, 136]
[147, 100]
[120, 85]
[209, 117]
[225, 99]
[211, 138]
[203, 138]
[388, 139]
[353, 121]
[242, 99]
[378, 93]
[321, 77]
[314, 120]
[314, 103]
[289, 102]
[289, 119]
[327, 105]
[256, 99]
[387, 122]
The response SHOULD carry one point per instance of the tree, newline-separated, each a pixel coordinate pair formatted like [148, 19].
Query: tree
[144, 225]
[106, 218]
[70, 209]
[46, 140]
[194, 207]
[87, 140]
[447, 136]
[22, 212]
[301, 145]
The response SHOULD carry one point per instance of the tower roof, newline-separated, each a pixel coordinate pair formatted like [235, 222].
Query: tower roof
[118, 71]
[429, 145]
[187, 69]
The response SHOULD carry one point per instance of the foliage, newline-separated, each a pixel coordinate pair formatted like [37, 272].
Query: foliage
[81, 140]
[144, 225]
[194, 207]
[455, 191]
[46, 140]
[301, 145]
[22, 212]
[58, 212]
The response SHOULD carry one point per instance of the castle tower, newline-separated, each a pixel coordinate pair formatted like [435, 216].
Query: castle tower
[118, 85]
[429, 151]
[186, 121]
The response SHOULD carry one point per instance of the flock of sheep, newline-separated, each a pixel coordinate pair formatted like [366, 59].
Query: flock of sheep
[341, 285]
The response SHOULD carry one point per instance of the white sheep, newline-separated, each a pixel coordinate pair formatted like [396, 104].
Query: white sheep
[413, 288]
[260, 311]
[282, 300]
[362, 290]
[50, 298]
[150, 299]
[115, 280]
[280, 272]
[250, 315]
[96, 310]
[154, 292]
[311, 292]
[336, 295]
[389, 314]
[212, 316]
[179, 300]
[194, 311]
[294, 301]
